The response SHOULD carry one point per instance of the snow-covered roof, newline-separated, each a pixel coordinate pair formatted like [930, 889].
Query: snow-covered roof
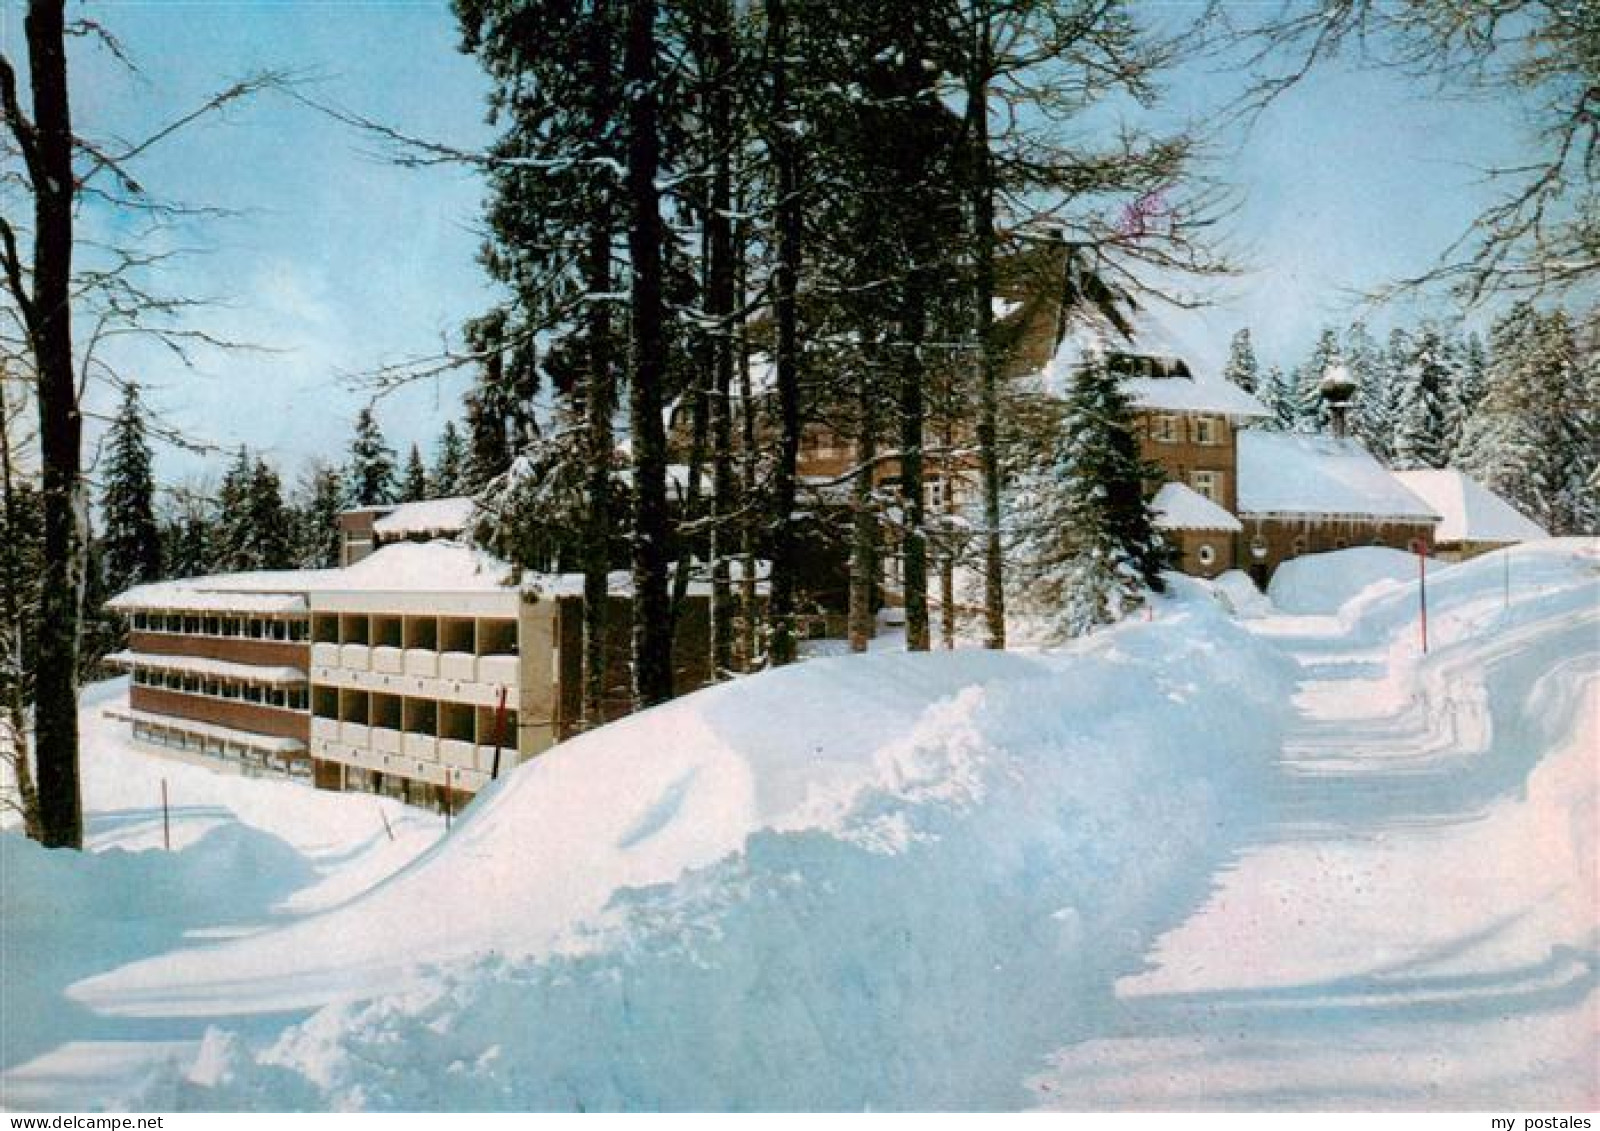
[1470, 511]
[437, 566]
[1179, 507]
[419, 566]
[429, 516]
[1282, 473]
[263, 593]
[200, 665]
[272, 743]
[1092, 335]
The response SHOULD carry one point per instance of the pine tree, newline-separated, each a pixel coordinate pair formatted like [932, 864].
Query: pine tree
[414, 485]
[1536, 436]
[449, 463]
[1242, 368]
[317, 518]
[271, 535]
[230, 542]
[1275, 392]
[370, 473]
[1087, 545]
[130, 547]
[1422, 423]
[1310, 406]
[1363, 358]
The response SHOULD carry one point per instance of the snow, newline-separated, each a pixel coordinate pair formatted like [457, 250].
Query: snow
[437, 566]
[1323, 583]
[1294, 475]
[247, 855]
[199, 665]
[1189, 862]
[1470, 511]
[1179, 507]
[428, 516]
[1414, 926]
[1091, 335]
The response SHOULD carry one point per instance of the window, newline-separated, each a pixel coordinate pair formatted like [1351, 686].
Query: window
[1208, 483]
[935, 492]
[1298, 547]
[1166, 429]
[1207, 554]
[1206, 431]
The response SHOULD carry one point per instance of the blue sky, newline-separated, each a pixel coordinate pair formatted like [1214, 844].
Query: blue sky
[341, 262]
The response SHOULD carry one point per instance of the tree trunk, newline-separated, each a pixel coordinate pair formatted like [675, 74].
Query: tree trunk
[983, 251]
[914, 546]
[600, 393]
[720, 300]
[60, 433]
[786, 159]
[652, 551]
[864, 529]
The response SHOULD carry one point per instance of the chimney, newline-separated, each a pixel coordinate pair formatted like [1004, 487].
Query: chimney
[1338, 388]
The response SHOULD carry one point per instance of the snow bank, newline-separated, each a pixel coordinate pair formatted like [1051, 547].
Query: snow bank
[1240, 595]
[1324, 583]
[889, 881]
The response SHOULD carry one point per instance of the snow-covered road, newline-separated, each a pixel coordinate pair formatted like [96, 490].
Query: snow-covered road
[1414, 926]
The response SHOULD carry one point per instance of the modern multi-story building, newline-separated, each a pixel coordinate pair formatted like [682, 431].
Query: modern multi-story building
[418, 671]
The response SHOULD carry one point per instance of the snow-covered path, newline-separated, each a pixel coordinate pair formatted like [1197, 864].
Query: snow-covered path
[1414, 924]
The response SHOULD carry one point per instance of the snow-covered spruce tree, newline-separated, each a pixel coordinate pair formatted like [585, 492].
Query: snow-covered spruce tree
[1085, 545]
[316, 518]
[414, 483]
[130, 546]
[188, 534]
[254, 529]
[370, 472]
[1310, 406]
[1536, 436]
[449, 462]
[1364, 358]
[555, 224]
[1277, 395]
[1422, 420]
[1242, 368]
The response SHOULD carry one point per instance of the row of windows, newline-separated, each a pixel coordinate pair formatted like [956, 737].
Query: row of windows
[1168, 428]
[246, 628]
[253, 762]
[435, 718]
[289, 698]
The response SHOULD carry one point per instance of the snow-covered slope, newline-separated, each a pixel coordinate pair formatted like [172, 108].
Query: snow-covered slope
[888, 880]
[1147, 870]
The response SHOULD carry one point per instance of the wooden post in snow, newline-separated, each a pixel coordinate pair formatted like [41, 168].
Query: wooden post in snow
[499, 734]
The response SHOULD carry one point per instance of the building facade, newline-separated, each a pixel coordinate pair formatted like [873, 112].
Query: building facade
[419, 672]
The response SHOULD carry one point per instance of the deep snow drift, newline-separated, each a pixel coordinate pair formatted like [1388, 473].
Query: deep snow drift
[884, 881]
[1193, 861]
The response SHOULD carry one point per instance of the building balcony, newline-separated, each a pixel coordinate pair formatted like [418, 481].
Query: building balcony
[387, 660]
[422, 663]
